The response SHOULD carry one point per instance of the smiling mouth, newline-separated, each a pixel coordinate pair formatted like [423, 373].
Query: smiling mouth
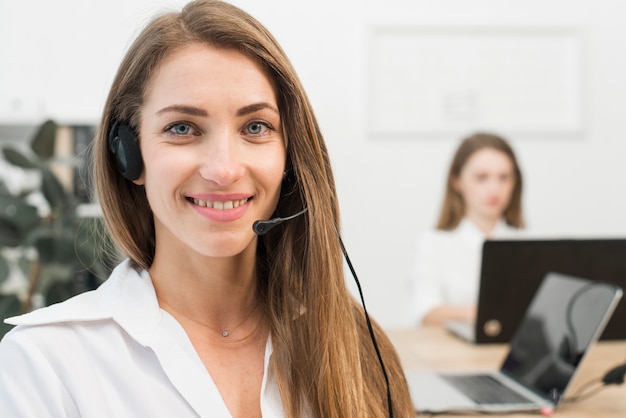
[219, 205]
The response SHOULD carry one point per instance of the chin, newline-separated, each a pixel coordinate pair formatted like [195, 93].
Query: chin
[226, 248]
[494, 213]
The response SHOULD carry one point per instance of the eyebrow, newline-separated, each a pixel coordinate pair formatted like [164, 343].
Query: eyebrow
[256, 107]
[195, 111]
[187, 110]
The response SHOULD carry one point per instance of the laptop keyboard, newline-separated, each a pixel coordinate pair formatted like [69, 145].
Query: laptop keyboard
[485, 389]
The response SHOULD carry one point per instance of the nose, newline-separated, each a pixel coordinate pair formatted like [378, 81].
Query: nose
[498, 187]
[221, 159]
[495, 188]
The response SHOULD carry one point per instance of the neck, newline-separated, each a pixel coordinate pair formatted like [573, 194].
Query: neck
[228, 331]
[485, 224]
[217, 294]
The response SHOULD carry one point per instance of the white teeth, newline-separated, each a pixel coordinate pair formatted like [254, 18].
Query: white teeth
[228, 204]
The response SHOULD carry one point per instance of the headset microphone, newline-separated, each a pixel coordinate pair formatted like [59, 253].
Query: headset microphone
[263, 227]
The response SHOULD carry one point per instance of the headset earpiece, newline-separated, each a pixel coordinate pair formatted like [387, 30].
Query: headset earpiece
[124, 145]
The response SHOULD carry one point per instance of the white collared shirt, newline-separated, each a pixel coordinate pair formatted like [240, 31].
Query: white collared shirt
[446, 266]
[112, 352]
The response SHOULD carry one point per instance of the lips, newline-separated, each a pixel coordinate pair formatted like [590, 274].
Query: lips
[226, 209]
[218, 204]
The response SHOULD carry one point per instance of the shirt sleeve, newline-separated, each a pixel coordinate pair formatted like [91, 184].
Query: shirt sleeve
[29, 386]
[424, 284]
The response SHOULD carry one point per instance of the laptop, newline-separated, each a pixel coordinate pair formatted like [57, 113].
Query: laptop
[512, 270]
[565, 317]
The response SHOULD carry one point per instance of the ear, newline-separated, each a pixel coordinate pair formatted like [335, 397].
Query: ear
[140, 181]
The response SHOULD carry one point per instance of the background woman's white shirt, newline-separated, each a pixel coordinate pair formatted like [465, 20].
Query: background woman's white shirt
[446, 266]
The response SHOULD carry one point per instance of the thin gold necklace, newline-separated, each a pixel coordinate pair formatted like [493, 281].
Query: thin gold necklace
[227, 332]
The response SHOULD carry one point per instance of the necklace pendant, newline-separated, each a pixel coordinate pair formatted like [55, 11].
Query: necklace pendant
[225, 333]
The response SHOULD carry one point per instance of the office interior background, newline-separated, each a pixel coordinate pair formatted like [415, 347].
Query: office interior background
[395, 86]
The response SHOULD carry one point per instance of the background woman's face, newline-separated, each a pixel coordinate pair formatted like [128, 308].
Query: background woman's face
[486, 183]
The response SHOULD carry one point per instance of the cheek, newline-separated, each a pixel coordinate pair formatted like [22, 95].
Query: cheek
[164, 174]
[274, 180]
[270, 168]
[473, 192]
[508, 192]
[166, 163]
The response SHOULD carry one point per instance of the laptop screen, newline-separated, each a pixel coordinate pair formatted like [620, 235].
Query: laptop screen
[512, 271]
[563, 320]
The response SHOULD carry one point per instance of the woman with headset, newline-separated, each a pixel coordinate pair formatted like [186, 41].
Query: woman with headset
[205, 131]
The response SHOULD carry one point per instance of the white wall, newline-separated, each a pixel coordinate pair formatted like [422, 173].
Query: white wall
[58, 58]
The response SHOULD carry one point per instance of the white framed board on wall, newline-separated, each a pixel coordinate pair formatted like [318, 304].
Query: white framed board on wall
[448, 79]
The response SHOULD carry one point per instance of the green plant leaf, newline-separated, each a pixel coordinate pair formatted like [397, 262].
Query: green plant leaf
[53, 191]
[9, 237]
[3, 188]
[18, 215]
[54, 245]
[10, 305]
[4, 269]
[60, 291]
[17, 158]
[44, 140]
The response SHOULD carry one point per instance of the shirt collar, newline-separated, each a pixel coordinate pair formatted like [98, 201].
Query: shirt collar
[127, 296]
[469, 227]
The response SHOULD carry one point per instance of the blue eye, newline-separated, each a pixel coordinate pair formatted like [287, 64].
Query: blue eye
[180, 129]
[256, 128]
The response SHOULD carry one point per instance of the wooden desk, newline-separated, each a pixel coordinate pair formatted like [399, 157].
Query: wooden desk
[432, 348]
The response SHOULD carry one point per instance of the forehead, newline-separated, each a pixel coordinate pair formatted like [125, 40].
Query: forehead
[488, 159]
[198, 69]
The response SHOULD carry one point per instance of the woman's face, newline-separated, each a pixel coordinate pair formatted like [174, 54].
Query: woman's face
[486, 183]
[213, 151]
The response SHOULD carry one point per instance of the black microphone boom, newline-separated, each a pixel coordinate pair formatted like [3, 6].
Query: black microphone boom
[263, 227]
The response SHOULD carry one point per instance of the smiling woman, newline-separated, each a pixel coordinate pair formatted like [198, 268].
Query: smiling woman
[207, 130]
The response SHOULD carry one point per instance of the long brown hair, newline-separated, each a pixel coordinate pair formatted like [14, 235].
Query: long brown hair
[324, 358]
[453, 208]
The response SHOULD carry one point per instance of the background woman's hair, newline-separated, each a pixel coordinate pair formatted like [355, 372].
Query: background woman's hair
[323, 356]
[453, 208]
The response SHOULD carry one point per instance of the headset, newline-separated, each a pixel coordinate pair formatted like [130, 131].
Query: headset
[124, 145]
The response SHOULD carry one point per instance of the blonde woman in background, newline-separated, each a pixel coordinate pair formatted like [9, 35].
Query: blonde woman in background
[206, 130]
[483, 200]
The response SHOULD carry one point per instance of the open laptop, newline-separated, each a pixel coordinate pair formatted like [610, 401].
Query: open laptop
[512, 270]
[565, 317]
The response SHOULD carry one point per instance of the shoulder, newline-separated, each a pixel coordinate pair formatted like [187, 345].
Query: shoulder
[68, 330]
[89, 306]
[431, 247]
[125, 304]
[435, 238]
[431, 236]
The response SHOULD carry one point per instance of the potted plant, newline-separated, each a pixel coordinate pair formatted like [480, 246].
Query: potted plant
[49, 251]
